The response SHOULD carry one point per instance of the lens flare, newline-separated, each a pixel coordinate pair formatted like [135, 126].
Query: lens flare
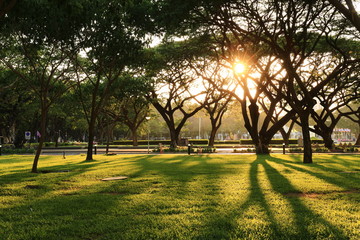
[239, 68]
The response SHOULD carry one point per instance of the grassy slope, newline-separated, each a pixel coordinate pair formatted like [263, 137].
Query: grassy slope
[181, 197]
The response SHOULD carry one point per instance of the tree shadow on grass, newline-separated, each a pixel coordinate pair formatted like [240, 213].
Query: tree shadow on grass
[304, 217]
[329, 174]
[258, 218]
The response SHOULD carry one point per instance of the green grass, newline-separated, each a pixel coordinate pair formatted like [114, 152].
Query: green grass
[181, 197]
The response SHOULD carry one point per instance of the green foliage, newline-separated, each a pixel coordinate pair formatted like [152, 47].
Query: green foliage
[18, 150]
[199, 141]
[295, 150]
[248, 150]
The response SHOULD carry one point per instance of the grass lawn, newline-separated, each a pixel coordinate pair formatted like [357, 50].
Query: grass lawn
[181, 197]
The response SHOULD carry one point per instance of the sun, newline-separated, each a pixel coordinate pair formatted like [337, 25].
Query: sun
[239, 68]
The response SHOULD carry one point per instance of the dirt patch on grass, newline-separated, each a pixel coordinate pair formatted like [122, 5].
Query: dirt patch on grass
[316, 195]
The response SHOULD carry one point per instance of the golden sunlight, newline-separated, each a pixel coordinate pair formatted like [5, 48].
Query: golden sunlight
[239, 68]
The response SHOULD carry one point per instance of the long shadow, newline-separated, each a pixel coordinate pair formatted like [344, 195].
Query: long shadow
[255, 200]
[339, 179]
[303, 215]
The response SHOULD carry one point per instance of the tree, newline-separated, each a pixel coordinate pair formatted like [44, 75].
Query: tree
[109, 42]
[174, 84]
[216, 106]
[35, 46]
[129, 104]
[16, 102]
[343, 90]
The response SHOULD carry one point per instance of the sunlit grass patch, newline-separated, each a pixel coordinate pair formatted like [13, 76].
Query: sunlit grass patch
[181, 197]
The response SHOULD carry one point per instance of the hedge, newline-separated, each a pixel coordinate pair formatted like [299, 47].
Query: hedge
[156, 142]
[281, 141]
[141, 142]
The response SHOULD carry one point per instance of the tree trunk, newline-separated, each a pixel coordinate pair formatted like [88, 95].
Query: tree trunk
[213, 132]
[262, 147]
[328, 141]
[174, 138]
[357, 143]
[41, 140]
[89, 155]
[212, 137]
[307, 157]
[107, 140]
[134, 136]
[57, 135]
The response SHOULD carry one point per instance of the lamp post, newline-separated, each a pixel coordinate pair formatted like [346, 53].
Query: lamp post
[148, 137]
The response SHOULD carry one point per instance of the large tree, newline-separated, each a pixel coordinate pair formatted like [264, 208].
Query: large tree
[109, 42]
[35, 46]
[175, 85]
[129, 105]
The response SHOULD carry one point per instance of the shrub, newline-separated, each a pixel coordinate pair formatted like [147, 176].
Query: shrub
[273, 141]
[199, 141]
[141, 142]
[321, 149]
[351, 149]
[295, 150]
[206, 150]
[248, 150]
[18, 150]
[185, 149]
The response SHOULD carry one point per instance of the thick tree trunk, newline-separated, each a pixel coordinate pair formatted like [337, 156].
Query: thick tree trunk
[357, 143]
[262, 149]
[262, 146]
[134, 137]
[41, 140]
[174, 138]
[328, 141]
[307, 157]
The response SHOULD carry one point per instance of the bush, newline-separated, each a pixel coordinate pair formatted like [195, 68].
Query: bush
[295, 150]
[351, 149]
[321, 149]
[199, 141]
[205, 150]
[273, 141]
[248, 150]
[142, 142]
[233, 142]
[185, 149]
[18, 150]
